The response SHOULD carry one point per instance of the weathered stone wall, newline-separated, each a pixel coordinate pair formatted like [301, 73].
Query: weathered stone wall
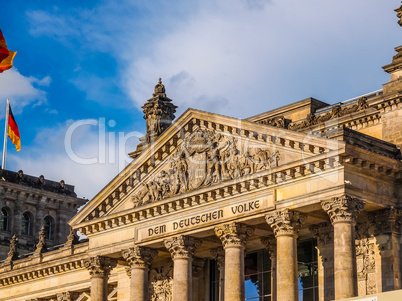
[392, 127]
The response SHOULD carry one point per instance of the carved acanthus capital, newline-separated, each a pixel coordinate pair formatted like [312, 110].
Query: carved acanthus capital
[234, 234]
[198, 264]
[270, 244]
[100, 266]
[343, 209]
[13, 253]
[219, 255]
[323, 232]
[387, 221]
[286, 222]
[182, 246]
[67, 296]
[139, 257]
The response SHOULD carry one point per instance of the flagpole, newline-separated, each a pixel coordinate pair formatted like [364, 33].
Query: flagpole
[3, 165]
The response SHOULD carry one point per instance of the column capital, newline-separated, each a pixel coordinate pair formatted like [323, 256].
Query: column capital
[234, 234]
[139, 257]
[198, 264]
[219, 255]
[343, 209]
[67, 296]
[387, 221]
[323, 232]
[181, 246]
[270, 244]
[100, 266]
[285, 222]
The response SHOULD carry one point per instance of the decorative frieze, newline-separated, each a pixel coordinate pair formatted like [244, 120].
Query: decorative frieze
[234, 234]
[336, 112]
[43, 272]
[100, 266]
[286, 222]
[181, 246]
[278, 121]
[204, 158]
[343, 209]
[139, 257]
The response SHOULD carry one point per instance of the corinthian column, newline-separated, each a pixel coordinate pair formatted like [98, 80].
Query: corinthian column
[270, 245]
[234, 237]
[219, 255]
[342, 212]
[99, 269]
[139, 259]
[324, 233]
[286, 224]
[181, 249]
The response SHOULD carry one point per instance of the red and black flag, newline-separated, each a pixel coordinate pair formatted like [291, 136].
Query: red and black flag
[6, 56]
[13, 131]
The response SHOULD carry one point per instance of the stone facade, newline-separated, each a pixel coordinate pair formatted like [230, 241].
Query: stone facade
[27, 204]
[304, 200]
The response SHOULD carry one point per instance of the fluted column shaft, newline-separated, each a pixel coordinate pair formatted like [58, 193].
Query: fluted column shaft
[99, 269]
[286, 224]
[234, 237]
[181, 249]
[139, 259]
[343, 212]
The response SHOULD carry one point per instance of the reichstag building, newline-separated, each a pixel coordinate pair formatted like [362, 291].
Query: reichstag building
[299, 203]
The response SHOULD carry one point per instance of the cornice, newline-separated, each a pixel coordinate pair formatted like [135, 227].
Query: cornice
[9, 190]
[248, 184]
[123, 184]
[35, 267]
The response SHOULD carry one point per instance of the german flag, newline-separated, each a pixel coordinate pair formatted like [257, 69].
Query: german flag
[6, 56]
[13, 131]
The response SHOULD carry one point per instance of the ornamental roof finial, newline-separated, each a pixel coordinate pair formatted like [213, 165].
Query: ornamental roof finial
[399, 15]
[159, 89]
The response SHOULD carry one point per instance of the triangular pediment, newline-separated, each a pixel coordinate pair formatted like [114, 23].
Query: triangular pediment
[201, 150]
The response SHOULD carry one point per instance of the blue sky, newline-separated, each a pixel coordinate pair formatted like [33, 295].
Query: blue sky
[99, 61]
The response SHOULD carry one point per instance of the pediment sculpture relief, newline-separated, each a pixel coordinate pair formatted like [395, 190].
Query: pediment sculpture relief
[336, 111]
[206, 157]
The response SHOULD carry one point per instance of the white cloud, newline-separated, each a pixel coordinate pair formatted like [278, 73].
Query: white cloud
[235, 59]
[49, 155]
[21, 90]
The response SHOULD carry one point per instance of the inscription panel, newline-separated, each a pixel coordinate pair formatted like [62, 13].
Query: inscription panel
[210, 215]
